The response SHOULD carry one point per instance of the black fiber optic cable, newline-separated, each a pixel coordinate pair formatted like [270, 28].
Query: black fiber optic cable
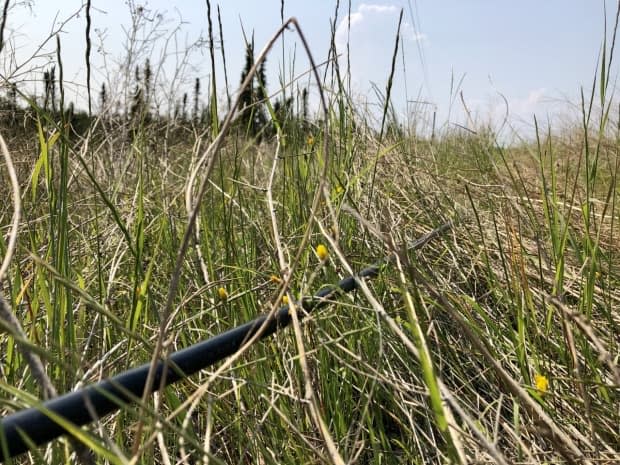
[38, 425]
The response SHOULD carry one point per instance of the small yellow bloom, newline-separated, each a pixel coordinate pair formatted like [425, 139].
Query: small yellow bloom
[222, 293]
[310, 141]
[339, 190]
[322, 252]
[541, 382]
[275, 279]
[284, 300]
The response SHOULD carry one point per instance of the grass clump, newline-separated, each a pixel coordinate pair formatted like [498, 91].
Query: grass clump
[496, 342]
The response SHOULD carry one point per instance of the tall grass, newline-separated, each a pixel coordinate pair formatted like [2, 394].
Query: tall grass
[495, 343]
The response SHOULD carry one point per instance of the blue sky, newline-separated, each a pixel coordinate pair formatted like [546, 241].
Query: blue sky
[535, 54]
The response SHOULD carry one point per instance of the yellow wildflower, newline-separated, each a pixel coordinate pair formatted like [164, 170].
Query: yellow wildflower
[222, 293]
[322, 252]
[541, 382]
[275, 279]
[310, 141]
[284, 300]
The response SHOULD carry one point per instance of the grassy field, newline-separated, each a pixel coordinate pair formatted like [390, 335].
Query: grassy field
[496, 342]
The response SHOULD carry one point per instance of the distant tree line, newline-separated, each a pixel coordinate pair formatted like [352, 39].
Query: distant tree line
[255, 119]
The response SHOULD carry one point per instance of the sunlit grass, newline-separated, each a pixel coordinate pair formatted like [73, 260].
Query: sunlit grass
[497, 342]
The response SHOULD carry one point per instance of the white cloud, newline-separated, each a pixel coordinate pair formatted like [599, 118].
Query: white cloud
[534, 102]
[409, 33]
[377, 8]
[373, 20]
[355, 18]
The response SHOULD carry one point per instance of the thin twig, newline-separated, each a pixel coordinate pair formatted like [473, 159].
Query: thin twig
[17, 209]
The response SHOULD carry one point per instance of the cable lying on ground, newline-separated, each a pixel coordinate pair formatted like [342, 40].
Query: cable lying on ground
[40, 424]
